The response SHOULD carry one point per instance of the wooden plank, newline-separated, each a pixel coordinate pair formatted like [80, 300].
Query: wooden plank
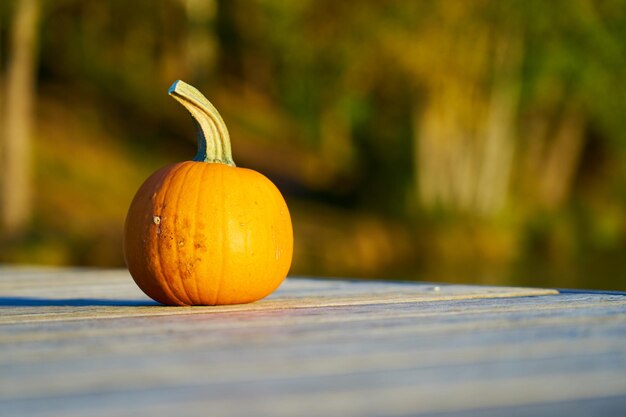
[394, 355]
[42, 295]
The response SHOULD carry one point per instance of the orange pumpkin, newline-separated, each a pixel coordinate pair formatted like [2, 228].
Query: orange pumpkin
[205, 232]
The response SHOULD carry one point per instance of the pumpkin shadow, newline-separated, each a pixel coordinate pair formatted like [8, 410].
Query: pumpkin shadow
[72, 302]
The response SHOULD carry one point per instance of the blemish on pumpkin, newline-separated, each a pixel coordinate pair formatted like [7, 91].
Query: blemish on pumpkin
[188, 270]
[157, 220]
[181, 243]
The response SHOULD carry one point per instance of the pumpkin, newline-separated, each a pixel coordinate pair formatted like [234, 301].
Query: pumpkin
[205, 232]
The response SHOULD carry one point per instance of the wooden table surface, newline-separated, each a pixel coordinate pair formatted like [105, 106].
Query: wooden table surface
[77, 342]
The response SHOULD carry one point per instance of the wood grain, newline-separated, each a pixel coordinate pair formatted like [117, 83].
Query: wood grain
[74, 340]
[33, 295]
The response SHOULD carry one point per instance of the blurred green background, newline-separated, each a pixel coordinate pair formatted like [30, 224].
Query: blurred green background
[457, 141]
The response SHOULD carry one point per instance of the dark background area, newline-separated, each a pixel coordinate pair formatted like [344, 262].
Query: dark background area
[469, 141]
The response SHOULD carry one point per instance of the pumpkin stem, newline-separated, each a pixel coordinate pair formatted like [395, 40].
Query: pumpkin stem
[213, 138]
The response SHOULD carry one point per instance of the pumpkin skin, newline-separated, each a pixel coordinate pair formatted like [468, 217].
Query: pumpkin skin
[203, 233]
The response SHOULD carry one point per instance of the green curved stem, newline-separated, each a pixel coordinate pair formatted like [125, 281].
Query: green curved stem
[213, 138]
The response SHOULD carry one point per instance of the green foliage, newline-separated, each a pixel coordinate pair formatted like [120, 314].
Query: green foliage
[480, 132]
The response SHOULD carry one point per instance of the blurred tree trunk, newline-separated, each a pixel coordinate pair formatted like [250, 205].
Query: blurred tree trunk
[563, 158]
[492, 189]
[17, 118]
[465, 131]
[1, 103]
[555, 143]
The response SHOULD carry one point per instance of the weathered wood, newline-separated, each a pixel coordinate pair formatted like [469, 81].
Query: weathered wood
[77, 340]
[33, 296]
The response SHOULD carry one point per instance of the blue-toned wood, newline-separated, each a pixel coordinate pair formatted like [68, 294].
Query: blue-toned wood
[79, 342]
